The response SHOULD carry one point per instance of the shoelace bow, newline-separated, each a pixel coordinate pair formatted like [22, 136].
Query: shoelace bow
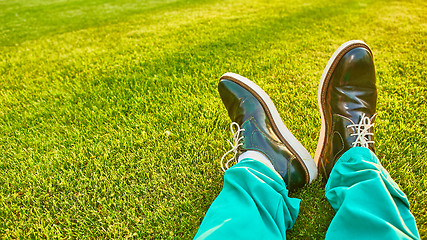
[362, 131]
[234, 146]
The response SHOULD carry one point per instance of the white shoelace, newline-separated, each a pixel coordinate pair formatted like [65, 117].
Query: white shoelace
[234, 147]
[362, 131]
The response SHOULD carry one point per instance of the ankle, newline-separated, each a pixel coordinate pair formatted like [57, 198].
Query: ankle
[258, 156]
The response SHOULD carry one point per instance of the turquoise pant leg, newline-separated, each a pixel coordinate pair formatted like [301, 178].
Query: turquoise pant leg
[253, 204]
[368, 203]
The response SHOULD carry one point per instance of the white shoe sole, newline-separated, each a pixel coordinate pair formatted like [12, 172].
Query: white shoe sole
[284, 134]
[342, 50]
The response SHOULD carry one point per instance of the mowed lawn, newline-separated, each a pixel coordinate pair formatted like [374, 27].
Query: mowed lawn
[111, 125]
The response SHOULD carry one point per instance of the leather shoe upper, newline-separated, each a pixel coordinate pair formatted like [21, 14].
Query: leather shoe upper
[247, 111]
[348, 98]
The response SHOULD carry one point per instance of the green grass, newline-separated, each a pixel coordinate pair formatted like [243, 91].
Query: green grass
[89, 90]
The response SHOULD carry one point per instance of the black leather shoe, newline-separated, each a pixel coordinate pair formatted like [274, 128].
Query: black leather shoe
[260, 128]
[347, 98]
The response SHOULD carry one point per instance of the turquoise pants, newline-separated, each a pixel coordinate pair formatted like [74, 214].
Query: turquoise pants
[254, 203]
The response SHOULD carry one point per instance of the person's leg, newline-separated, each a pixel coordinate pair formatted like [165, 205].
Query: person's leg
[253, 204]
[368, 203]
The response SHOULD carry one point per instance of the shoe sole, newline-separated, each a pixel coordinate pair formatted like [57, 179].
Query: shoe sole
[278, 126]
[323, 84]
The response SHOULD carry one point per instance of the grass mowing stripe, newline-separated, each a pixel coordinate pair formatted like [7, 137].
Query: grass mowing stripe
[24, 21]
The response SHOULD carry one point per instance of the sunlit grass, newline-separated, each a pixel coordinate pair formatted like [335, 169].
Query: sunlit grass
[111, 125]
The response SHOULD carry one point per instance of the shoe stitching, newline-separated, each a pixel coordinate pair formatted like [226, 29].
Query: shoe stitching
[342, 145]
[252, 120]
